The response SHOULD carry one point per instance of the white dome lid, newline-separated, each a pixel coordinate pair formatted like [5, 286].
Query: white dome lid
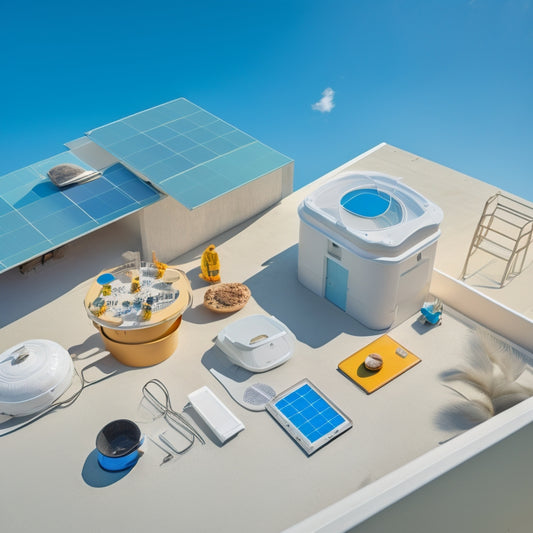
[257, 342]
[32, 375]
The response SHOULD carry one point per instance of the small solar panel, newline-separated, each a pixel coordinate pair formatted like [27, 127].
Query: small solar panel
[187, 152]
[308, 416]
[37, 216]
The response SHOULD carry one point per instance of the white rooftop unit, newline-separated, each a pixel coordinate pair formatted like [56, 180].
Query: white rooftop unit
[367, 244]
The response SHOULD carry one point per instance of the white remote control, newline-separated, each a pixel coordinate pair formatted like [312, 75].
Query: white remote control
[215, 414]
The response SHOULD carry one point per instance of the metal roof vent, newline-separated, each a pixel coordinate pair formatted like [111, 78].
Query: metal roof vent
[69, 174]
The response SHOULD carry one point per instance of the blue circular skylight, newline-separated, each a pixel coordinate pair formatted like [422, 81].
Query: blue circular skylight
[367, 203]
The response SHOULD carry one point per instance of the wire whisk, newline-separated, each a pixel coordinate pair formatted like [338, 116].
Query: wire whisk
[175, 419]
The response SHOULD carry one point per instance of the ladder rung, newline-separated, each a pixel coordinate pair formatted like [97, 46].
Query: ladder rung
[511, 223]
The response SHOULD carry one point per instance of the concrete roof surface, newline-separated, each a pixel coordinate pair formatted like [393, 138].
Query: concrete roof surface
[260, 480]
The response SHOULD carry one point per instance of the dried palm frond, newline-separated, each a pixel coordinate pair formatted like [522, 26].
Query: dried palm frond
[482, 381]
[501, 403]
[501, 354]
[493, 370]
[472, 412]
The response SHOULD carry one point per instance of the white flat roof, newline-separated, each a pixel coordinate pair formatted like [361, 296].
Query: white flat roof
[260, 480]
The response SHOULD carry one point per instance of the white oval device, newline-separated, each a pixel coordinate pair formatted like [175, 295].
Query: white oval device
[257, 342]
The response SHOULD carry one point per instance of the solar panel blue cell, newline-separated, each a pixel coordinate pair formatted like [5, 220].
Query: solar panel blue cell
[44, 206]
[220, 127]
[146, 158]
[45, 189]
[160, 134]
[11, 221]
[190, 197]
[23, 237]
[182, 125]
[179, 143]
[318, 421]
[19, 201]
[70, 234]
[336, 420]
[218, 185]
[16, 179]
[249, 153]
[307, 428]
[161, 170]
[220, 145]
[56, 223]
[140, 192]
[297, 419]
[310, 412]
[314, 436]
[132, 145]
[202, 118]
[115, 215]
[106, 204]
[144, 120]
[95, 208]
[199, 154]
[223, 165]
[179, 163]
[299, 404]
[201, 135]
[83, 191]
[118, 175]
[22, 255]
[199, 176]
[241, 175]
[238, 138]
[180, 107]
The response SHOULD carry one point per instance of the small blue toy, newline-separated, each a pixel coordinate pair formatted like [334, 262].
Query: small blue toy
[432, 312]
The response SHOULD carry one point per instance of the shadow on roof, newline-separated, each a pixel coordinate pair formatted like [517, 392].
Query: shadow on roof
[313, 319]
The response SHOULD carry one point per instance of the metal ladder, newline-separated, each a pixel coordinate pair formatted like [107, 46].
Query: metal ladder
[504, 231]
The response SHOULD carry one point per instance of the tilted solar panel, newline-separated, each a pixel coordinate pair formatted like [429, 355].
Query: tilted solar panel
[187, 152]
[36, 216]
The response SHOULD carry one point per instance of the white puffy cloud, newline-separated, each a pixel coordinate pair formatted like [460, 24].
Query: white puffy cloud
[326, 103]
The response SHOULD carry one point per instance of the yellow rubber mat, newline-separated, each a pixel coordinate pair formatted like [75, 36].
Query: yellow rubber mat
[396, 360]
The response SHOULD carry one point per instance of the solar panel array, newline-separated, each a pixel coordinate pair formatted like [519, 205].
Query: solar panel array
[308, 416]
[180, 148]
[36, 216]
[187, 152]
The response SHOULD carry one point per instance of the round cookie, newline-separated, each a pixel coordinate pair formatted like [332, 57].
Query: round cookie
[226, 297]
[373, 362]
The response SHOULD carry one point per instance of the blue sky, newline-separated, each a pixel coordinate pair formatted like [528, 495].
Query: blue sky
[449, 80]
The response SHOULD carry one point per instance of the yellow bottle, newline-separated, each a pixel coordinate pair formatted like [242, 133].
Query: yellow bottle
[210, 265]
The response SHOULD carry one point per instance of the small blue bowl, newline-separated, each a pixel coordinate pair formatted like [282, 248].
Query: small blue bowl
[115, 464]
[117, 444]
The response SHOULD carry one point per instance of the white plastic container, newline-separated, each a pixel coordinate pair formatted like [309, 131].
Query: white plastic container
[368, 244]
[257, 342]
[32, 375]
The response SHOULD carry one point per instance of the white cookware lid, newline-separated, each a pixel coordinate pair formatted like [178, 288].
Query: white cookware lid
[32, 375]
